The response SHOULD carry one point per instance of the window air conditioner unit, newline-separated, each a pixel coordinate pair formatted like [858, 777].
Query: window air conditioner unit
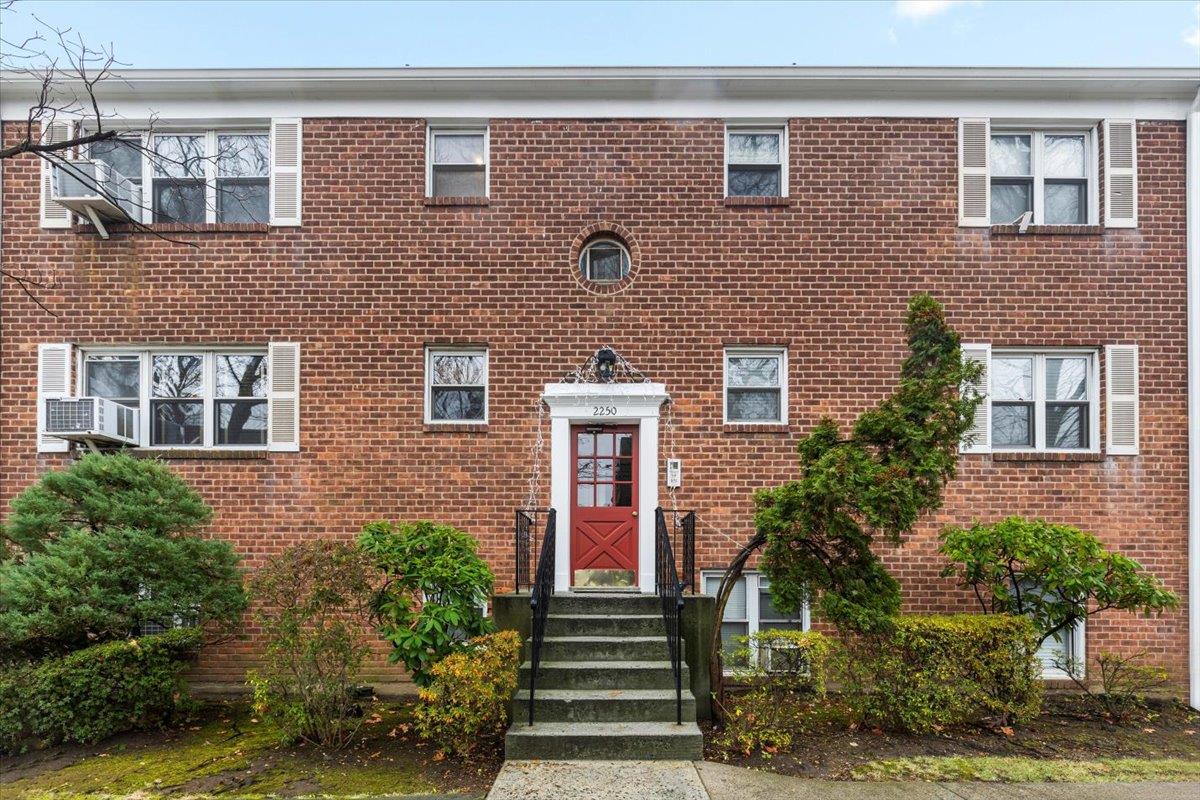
[95, 190]
[92, 420]
[785, 658]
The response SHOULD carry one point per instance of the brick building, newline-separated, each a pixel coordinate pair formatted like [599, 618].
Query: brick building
[364, 298]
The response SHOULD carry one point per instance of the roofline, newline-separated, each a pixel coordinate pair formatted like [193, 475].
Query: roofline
[761, 92]
[873, 73]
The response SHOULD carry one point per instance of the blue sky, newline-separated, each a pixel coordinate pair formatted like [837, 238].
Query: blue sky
[378, 34]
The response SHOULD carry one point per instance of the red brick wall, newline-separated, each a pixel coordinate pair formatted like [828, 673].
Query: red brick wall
[374, 274]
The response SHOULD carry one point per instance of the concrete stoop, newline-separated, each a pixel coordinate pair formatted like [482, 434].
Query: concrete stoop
[605, 688]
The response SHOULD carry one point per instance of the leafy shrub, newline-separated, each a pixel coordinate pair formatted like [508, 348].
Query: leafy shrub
[98, 691]
[785, 670]
[467, 700]
[434, 588]
[934, 672]
[314, 601]
[104, 547]
[1056, 575]
[1124, 684]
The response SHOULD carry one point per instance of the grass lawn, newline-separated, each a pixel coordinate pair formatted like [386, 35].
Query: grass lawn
[228, 753]
[1068, 742]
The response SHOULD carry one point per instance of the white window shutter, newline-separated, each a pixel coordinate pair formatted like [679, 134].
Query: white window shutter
[978, 438]
[54, 380]
[1121, 395]
[974, 193]
[285, 171]
[53, 214]
[283, 407]
[1120, 173]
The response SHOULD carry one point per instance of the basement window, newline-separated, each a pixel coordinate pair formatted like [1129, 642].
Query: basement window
[748, 611]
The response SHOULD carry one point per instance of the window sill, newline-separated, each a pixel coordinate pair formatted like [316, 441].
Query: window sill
[742, 202]
[1048, 230]
[455, 427]
[755, 427]
[1015, 455]
[457, 201]
[197, 453]
[176, 227]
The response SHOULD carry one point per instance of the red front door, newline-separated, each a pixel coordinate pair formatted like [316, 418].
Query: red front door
[604, 490]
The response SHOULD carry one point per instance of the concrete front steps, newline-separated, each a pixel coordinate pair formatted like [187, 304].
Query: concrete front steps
[605, 688]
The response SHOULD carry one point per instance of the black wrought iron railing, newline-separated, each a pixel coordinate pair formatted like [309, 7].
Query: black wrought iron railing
[682, 527]
[529, 523]
[539, 604]
[670, 592]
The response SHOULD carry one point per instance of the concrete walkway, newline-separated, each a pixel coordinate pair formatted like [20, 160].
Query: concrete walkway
[701, 780]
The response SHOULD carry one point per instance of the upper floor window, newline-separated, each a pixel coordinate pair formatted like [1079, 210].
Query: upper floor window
[755, 162]
[457, 162]
[1047, 174]
[193, 398]
[1044, 400]
[194, 177]
[456, 385]
[755, 385]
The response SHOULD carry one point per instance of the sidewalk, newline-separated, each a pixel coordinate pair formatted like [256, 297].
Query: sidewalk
[700, 780]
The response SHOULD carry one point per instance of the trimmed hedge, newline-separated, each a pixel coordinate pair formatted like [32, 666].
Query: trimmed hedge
[938, 671]
[467, 701]
[97, 691]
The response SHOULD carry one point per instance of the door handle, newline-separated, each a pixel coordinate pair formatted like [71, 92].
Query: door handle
[635, 513]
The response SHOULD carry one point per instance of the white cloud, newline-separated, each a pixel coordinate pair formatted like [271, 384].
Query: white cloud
[1192, 36]
[892, 37]
[924, 9]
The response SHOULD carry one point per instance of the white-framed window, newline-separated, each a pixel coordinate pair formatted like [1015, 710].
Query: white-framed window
[456, 385]
[1063, 651]
[195, 176]
[604, 261]
[756, 385]
[1044, 400]
[750, 610]
[189, 397]
[1049, 173]
[457, 162]
[756, 161]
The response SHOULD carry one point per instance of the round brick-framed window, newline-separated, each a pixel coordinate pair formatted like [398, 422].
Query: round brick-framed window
[604, 258]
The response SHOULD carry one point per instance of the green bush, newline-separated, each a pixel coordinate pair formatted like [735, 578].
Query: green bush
[435, 587]
[98, 691]
[313, 603]
[104, 547]
[467, 701]
[1057, 575]
[934, 672]
[785, 670]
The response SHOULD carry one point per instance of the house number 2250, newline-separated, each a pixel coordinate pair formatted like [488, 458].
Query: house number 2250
[604, 411]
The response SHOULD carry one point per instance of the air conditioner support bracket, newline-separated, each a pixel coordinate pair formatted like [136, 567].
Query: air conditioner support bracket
[97, 222]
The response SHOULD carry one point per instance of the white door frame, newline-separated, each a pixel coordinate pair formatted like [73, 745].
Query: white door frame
[637, 404]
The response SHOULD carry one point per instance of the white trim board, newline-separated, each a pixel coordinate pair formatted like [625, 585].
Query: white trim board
[1193, 328]
[637, 92]
[634, 404]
